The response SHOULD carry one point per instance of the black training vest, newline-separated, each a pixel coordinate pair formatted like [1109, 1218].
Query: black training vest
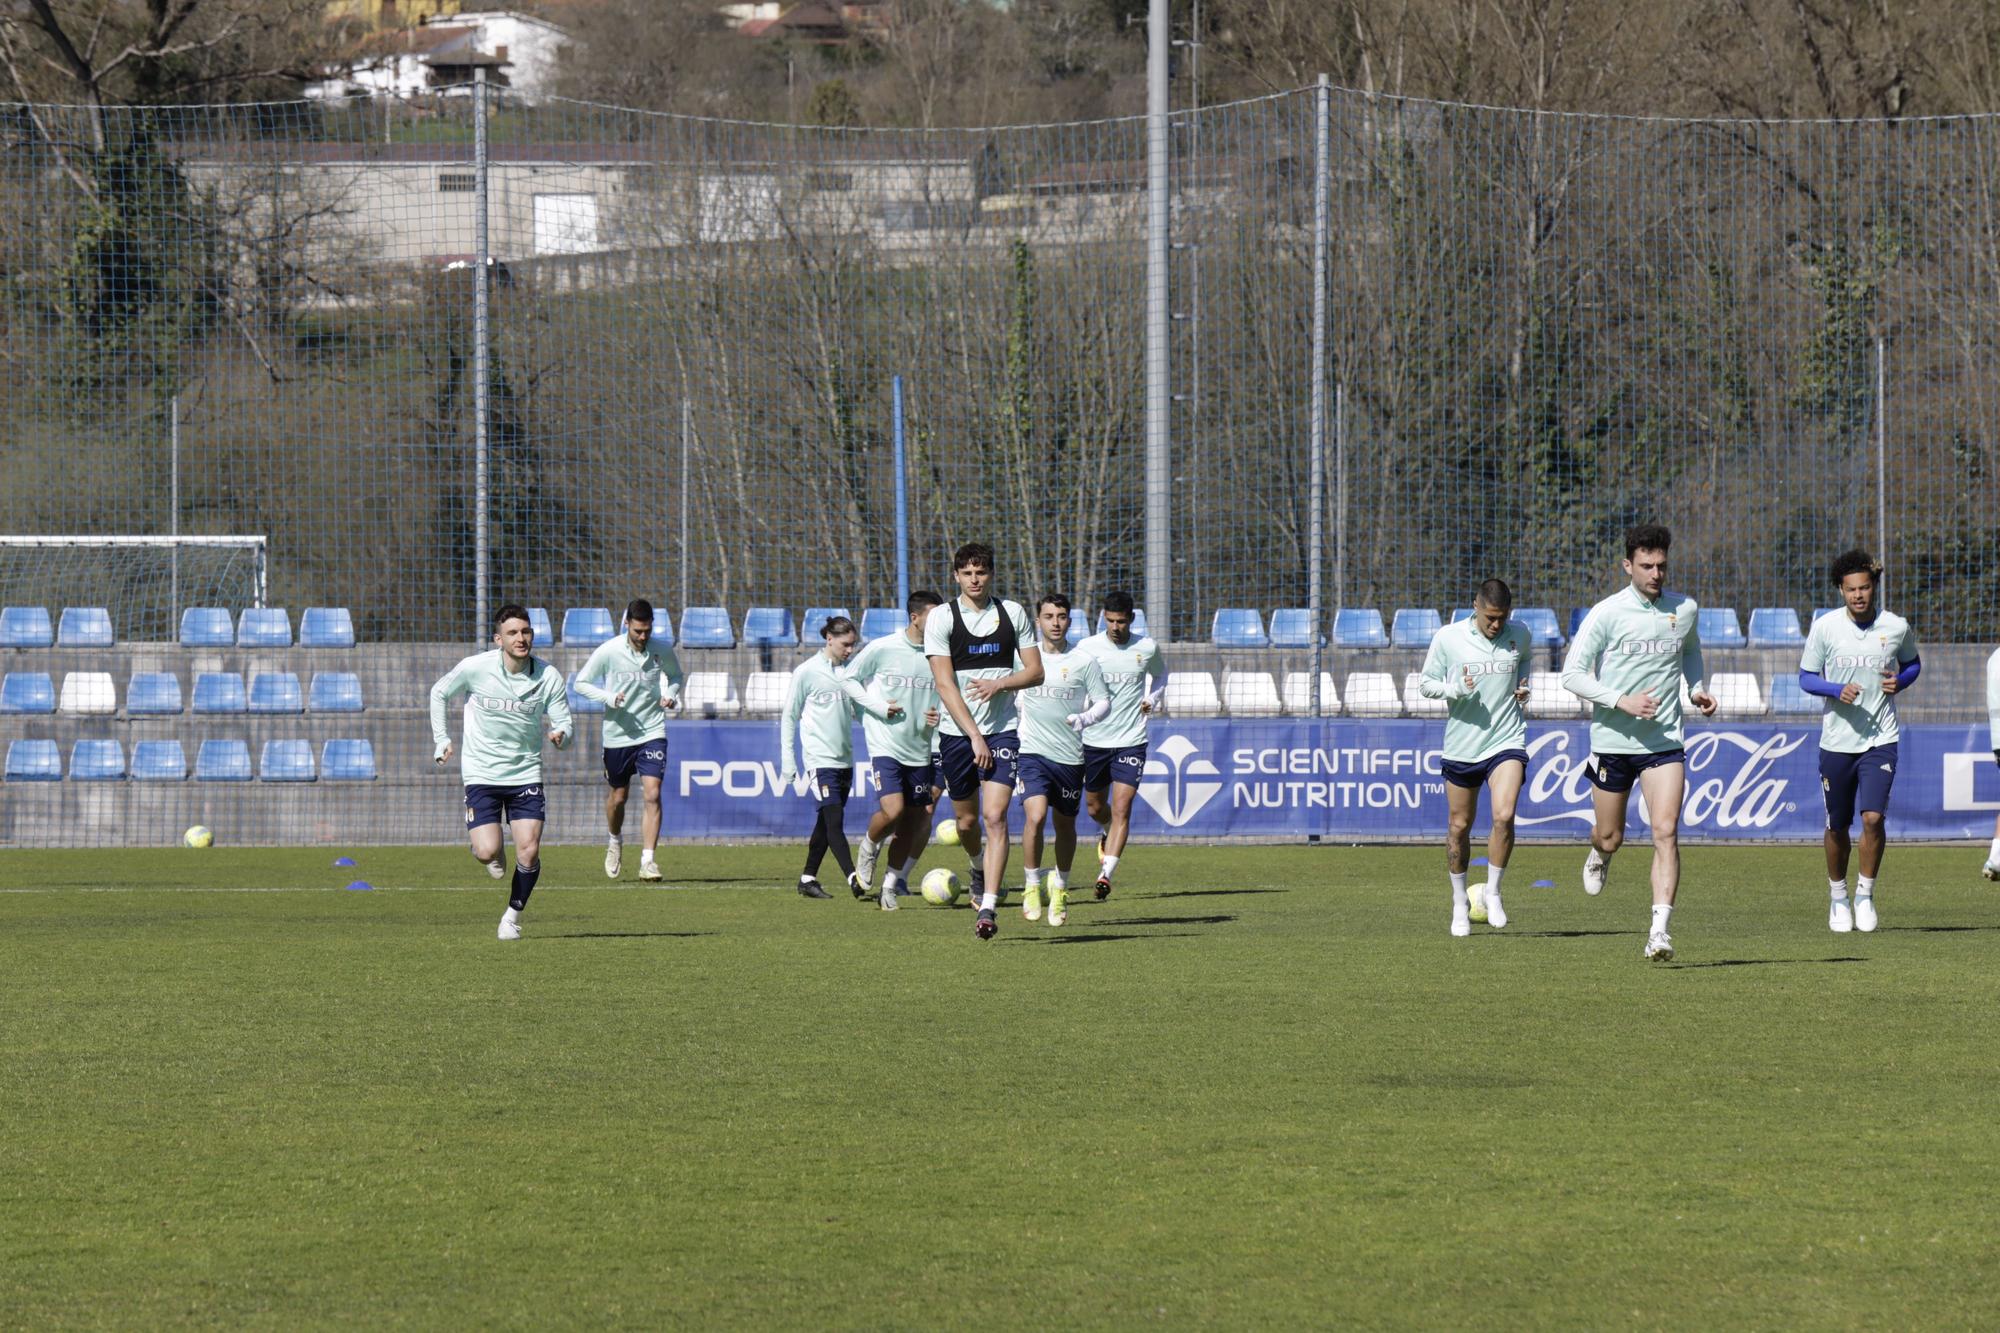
[978, 652]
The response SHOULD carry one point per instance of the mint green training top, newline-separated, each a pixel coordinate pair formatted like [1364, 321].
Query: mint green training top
[1485, 719]
[643, 678]
[1628, 644]
[897, 669]
[503, 717]
[1072, 683]
[819, 714]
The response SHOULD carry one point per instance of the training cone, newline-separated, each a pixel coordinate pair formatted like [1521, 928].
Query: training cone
[360, 886]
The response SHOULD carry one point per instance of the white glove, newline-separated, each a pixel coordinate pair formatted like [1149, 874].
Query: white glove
[1075, 723]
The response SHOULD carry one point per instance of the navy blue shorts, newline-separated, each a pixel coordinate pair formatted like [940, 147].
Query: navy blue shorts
[962, 777]
[1850, 782]
[489, 805]
[829, 787]
[911, 781]
[1474, 775]
[1101, 768]
[1617, 772]
[1062, 784]
[648, 759]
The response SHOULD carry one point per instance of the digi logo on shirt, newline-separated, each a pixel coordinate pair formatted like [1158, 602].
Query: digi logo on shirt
[1506, 668]
[1650, 647]
[493, 703]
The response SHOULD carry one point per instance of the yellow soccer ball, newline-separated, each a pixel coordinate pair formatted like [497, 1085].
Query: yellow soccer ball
[198, 836]
[946, 833]
[940, 888]
[1475, 895]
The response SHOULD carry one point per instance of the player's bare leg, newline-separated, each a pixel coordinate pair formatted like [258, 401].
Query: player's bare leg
[1662, 787]
[1112, 845]
[1503, 791]
[649, 826]
[614, 820]
[1607, 835]
[527, 869]
[485, 842]
[966, 814]
[994, 798]
[1034, 814]
[888, 814]
[1991, 870]
[1461, 805]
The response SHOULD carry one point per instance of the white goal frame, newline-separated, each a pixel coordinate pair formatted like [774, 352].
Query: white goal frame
[257, 546]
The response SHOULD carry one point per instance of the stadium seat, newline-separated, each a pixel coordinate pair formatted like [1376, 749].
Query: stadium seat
[84, 627]
[1251, 694]
[709, 693]
[1736, 694]
[1576, 615]
[545, 634]
[1372, 693]
[582, 703]
[1192, 694]
[1775, 627]
[1540, 622]
[706, 627]
[334, 692]
[1414, 627]
[764, 693]
[347, 761]
[1462, 613]
[286, 761]
[1416, 703]
[816, 616]
[25, 627]
[264, 627]
[1825, 611]
[34, 761]
[769, 626]
[97, 761]
[1239, 627]
[1298, 694]
[27, 692]
[150, 693]
[1718, 627]
[587, 626]
[222, 761]
[663, 623]
[1548, 698]
[879, 622]
[1789, 699]
[276, 692]
[159, 761]
[326, 627]
[1292, 627]
[1359, 627]
[1139, 630]
[207, 627]
[1078, 631]
[220, 692]
[89, 693]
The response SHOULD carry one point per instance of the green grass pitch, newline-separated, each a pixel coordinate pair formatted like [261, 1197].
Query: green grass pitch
[1259, 1087]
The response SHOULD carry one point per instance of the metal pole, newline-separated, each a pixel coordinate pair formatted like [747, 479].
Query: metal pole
[174, 524]
[1339, 494]
[687, 472]
[1881, 449]
[1316, 447]
[480, 260]
[902, 494]
[1159, 461]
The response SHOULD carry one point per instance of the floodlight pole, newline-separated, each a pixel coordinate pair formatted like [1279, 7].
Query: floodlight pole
[902, 493]
[174, 522]
[480, 312]
[1316, 443]
[1159, 460]
[1881, 449]
[687, 475]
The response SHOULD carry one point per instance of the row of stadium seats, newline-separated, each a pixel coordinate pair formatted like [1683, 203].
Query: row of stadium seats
[215, 761]
[201, 627]
[762, 627]
[1412, 627]
[158, 693]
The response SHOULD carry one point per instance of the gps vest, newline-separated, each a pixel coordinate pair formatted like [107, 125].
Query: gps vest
[981, 652]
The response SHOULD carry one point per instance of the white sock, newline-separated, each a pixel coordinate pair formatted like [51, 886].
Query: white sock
[646, 856]
[1106, 866]
[1838, 888]
[1993, 852]
[989, 901]
[617, 841]
[1459, 902]
[869, 846]
[1661, 913]
[890, 879]
[909, 868]
[510, 917]
[1864, 886]
[1596, 859]
[1034, 874]
[1493, 874]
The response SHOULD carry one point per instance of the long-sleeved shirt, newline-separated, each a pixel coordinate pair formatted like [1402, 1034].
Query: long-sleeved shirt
[645, 679]
[503, 717]
[1072, 685]
[1133, 673]
[897, 669]
[1629, 645]
[1993, 698]
[819, 714]
[1485, 719]
[1841, 652]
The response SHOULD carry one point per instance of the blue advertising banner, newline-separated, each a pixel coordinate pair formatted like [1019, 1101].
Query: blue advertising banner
[1351, 778]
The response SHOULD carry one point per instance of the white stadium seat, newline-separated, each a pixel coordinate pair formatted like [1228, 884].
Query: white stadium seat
[1414, 701]
[764, 693]
[1737, 694]
[1548, 698]
[1298, 694]
[88, 692]
[1251, 694]
[710, 694]
[1372, 694]
[1192, 694]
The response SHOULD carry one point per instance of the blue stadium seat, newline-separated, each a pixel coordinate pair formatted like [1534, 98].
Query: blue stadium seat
[1789, 699]
[276, 692]
[1826, 611]
[347, 761]
[1292, 627]
[769, 625]
[706, 627]
[264, 627]
[159, 761]
[34, 761]
[220, 692]
[581, 703]
[85, 627]
[27, 692]
[153, 692]
[1238, 627]
[25, 627]
[1541, 624]
[586, 626]
[222, 761]
[663, 623]
[816, 616]
[286, 761]
[1718, 627]
[1576, 616]
[1076, 633]
[1462, 613]
[1414, 627]
[335, 692]
[545, 634]
[879, 622]
[97, 761]
[207, 627]
[1359, 627]
[1775, 627]
[1139, 630]
[326, 627]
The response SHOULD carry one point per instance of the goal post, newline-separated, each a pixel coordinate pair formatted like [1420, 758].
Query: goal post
[144, 582]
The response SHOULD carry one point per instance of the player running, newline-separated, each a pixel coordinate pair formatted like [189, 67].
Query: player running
[973, 647]
[819, 721]
[508, 692]
[1629, 659]
[1858, 660]
[1114, 749]
[1991, 870]
[1479, 665]
[899, 752]
[638, 681]
[1053, 717]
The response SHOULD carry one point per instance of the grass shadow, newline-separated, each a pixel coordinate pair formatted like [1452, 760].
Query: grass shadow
[1763, 962]
[1209, 893]
[1566, 934]
[1166, 921]
[1103, 938]
[1934, 930]
[627, 935]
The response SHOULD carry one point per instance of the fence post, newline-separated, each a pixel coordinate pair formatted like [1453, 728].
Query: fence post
[687, 478]
[1316, 446]
[480, 261]
[1881, 449]
[902, 492]
[174, 523]
[1159, 460]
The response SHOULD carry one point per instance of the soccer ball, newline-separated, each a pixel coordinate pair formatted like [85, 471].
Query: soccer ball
[1476, 896]
[940, 887]
[946, 833]
[198, 836]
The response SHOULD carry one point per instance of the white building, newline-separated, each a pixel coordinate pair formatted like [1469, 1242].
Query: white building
[437, 58]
